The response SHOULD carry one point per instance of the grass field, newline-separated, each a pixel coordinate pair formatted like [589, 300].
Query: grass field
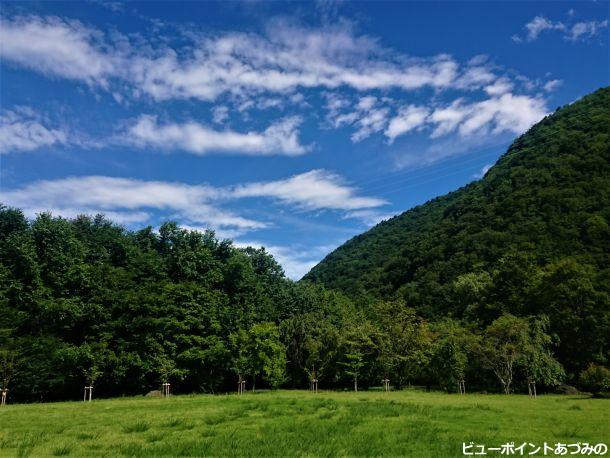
[298, 423]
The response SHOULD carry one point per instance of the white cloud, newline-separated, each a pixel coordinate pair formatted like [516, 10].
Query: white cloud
[283, 59]
[502, 111]
[130, 200]
[314, 190]
[371, 122]
[265, 71]
[296, 261]
[220, 114]
[370, 217]
[462, 128]
[499, 87]
[585, 30]
[125, 199]
[408, 118]
[367, 114]
[23, 129]
[220, 232]
[475, 75]
[56, 47]
[281, 138]
[551, 85]
[506, 113]
[538, 25]
[448, 118]
[578, 31]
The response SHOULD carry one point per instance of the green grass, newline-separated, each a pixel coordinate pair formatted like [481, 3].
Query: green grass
[298, 423]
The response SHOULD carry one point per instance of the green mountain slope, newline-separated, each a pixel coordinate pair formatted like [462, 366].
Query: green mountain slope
[530, 237]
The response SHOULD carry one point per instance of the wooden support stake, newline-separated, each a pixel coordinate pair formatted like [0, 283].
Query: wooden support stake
[4, 393]
[166, 390]
[88, 395]
[314, 385]
[386, 384]
[461, 387]
[241, 386]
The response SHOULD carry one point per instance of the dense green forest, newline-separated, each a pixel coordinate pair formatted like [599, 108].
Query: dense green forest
[529, 238]
[502, 285]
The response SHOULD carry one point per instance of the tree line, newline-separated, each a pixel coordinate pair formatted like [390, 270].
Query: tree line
[85, 302]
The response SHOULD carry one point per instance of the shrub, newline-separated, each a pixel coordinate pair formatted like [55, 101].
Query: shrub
[595, 379]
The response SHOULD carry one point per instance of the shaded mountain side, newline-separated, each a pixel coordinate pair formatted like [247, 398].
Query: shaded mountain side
[530, 237]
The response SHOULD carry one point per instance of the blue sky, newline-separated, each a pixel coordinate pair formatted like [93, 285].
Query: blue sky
[290, 125]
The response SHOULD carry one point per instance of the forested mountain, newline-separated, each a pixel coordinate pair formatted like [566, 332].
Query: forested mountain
[529, 238]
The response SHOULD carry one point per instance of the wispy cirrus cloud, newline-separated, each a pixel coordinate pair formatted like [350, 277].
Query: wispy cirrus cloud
[125, 199]
[409, 117]
[267, 71]
[504, 113]
[24, 129]
[281, 137]
[570, 30]
[313, 190]
[58, 48]
[284, 58]
[586, 30]
[131, 200]
[500, 112]
[461, 127]
[367, 115]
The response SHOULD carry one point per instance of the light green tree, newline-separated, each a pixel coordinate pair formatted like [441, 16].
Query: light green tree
[403, 341]
[538, 363]
[502, 345]
[358, 348]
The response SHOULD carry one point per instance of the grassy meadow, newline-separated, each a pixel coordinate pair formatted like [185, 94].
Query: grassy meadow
[298, 423]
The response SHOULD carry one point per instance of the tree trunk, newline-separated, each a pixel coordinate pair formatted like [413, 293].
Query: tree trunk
[504, 386]
[356, 384]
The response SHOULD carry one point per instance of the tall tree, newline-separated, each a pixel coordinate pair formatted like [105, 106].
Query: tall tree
[537, 360]
[503, 343]
[452, 347]
[358, 348]
[403, 340]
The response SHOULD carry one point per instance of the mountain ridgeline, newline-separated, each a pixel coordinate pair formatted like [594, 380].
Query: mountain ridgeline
[529, 238]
